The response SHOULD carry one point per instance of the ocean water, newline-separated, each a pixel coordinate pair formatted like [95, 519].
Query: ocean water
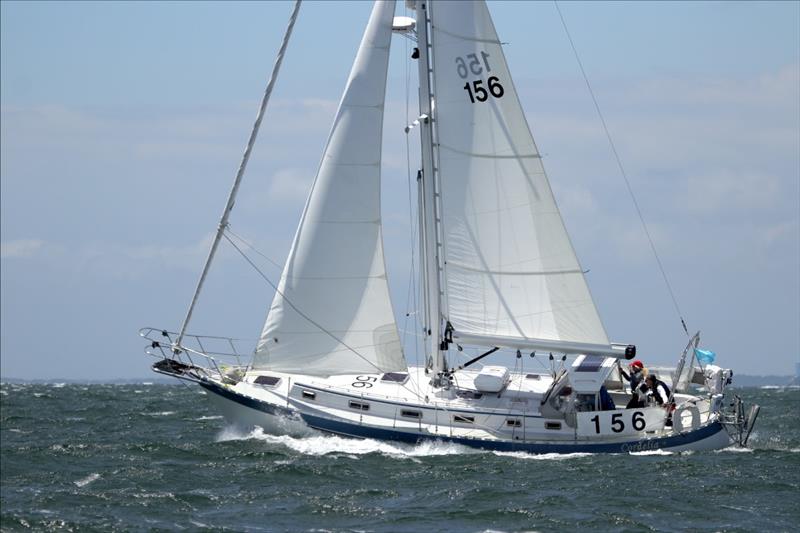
[155, 457]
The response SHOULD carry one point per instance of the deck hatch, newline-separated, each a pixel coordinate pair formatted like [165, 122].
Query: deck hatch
[269, 381]
[395, 377]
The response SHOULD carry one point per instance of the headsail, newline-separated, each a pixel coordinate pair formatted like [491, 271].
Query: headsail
[335, 273]
[510, 271]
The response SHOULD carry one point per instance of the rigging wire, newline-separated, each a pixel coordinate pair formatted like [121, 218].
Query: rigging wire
[316, 324]
[252, 247]
[223, 221]
[622, 170]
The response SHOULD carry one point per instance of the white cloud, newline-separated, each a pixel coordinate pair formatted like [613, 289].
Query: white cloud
[113, 260]
[20, 248]
[289, 185]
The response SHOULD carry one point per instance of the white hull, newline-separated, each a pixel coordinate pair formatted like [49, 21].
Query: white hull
[283, 410]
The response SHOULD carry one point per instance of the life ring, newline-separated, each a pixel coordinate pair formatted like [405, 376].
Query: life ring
[677, 417]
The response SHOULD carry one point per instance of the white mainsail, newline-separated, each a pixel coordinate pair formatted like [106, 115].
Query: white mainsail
[510, 272]
[332, 313]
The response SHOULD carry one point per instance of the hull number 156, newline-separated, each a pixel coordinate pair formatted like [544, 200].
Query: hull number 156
[618, 423]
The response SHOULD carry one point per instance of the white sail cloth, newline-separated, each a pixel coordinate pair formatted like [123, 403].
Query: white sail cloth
[510, 270]
[332, 313]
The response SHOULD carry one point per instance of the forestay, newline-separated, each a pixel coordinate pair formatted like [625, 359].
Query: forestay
[335, 273]
[510, 270]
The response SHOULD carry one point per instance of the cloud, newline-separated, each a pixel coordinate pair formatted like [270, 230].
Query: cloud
[289, 185]
[112, 260]
[20, 248]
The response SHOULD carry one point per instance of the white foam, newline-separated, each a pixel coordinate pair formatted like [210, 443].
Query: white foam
[59, 385]
[544, 456]
[209, 418]
[88, 479]
[734, 449]
[318, 445]
[160, 413]
[652, 452]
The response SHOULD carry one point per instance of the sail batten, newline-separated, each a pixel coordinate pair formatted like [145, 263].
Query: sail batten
[332, 312]
[510, 271]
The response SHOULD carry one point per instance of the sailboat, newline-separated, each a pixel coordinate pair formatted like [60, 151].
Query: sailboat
[498, 274]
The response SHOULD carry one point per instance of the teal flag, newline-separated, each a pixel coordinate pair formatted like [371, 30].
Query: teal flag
[705, 356]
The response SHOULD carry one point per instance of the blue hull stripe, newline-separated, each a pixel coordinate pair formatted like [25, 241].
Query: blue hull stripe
[355, 430]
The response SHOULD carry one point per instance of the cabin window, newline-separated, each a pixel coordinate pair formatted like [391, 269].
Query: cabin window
[409, 413]
[514, 422]
[359, 406]
[461, 419]
[308, 395]
[269, 381]
[395, 377]
[533, 376]
[552, 425]
[469, 395]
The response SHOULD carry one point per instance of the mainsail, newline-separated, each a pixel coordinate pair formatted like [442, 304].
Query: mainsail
[332, 313]
[510, 272]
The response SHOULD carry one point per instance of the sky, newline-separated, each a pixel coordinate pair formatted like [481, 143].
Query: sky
[122, 125]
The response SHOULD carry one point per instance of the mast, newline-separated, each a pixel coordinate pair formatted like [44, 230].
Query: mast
[430, 234]
[223, 222]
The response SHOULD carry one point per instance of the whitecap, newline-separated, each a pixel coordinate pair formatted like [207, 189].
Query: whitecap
[58, 385]
[734, 449]
[160, 413]
[209, 418]
[88, 479]
[544, 456]
[318, 445]
[652, 452]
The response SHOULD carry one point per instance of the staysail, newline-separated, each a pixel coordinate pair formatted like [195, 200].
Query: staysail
[510, 273]
[332, 313]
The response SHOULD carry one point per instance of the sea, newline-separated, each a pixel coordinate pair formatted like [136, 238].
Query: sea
[155, 457]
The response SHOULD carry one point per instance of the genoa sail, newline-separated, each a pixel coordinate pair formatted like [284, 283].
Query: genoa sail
[510, 271]
[332, 312]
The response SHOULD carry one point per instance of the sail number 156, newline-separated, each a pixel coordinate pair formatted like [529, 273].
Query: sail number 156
[618, 424]
[476, 90]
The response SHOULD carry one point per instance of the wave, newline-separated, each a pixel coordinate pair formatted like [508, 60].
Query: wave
[88, 479]
[318, 445]
[734, 449]
[544, 456]
[653, 452]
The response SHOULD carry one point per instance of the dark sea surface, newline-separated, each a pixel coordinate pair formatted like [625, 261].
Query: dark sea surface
[155, 457]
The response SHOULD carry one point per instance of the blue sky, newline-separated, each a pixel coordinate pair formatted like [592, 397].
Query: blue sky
[123, 124]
